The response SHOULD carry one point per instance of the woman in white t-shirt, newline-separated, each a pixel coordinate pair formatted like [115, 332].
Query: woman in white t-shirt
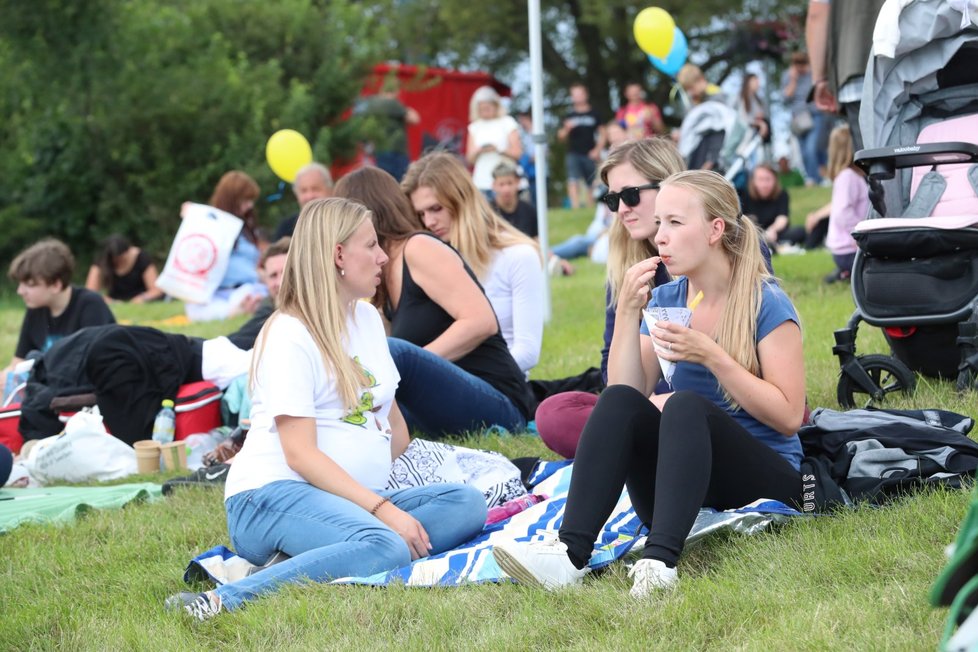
[494, 137]
[309, 482]
[505, 260]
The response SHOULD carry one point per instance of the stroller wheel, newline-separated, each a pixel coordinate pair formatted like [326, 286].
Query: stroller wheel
[888, 375]
[967, 380]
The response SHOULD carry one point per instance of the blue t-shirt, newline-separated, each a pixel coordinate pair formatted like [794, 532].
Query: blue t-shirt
[242, 265]
[776, 308]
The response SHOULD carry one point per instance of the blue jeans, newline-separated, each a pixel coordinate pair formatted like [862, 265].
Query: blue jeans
[579, 166]
[329, 537]
[437, 397]
[809, 148]
[393, 163]
[575, 246]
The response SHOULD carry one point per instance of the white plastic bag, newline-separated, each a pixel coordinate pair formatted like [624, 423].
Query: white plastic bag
[83, 452]
[199, 256]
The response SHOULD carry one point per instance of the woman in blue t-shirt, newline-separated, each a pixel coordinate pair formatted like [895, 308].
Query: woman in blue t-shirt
[725, 436]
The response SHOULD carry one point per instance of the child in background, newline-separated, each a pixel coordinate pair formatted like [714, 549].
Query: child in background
[55, 308]
[850, 203]
[506, 199]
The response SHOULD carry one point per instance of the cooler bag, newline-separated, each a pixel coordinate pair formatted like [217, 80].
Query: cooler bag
[9, 428]
[198, 408]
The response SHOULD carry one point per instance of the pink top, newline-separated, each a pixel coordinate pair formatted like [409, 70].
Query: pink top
[636, 119]
[850, 206]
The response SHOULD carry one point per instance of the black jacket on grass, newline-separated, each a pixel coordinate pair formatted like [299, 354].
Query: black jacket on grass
[874, 455]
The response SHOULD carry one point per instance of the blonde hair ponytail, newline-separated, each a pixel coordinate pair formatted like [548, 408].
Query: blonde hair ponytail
[736, 330]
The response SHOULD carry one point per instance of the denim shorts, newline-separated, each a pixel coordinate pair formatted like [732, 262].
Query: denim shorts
[579, 166]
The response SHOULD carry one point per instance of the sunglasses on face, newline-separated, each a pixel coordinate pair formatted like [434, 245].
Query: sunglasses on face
[631, 196]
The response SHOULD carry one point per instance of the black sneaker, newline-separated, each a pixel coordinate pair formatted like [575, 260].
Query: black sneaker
[208, 476]
[200, 606]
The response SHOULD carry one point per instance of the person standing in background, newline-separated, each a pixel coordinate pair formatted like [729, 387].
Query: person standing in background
[390, 145]
[637, 117]
[806, 119]
[528, 160]
[585, 136]
[839, 35]
[493, 137]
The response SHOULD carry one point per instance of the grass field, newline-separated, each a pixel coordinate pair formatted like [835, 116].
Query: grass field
[858, 580]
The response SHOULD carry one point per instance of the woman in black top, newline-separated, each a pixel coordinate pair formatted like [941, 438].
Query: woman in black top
[766, 203]
[457, 374]
[125, 272]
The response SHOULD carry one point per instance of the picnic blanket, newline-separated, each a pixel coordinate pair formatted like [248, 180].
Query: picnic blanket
[63, 504]
[472, 561]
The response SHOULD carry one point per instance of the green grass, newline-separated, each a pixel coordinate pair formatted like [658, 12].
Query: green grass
[854, 581]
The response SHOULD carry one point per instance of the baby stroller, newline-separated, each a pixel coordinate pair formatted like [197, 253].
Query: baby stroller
[916, 275]
[713, 132]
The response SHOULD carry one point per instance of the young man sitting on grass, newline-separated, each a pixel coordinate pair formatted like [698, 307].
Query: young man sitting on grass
[131, 369]
[55, 308]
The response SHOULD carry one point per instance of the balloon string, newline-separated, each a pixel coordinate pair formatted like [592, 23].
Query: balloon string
[277, 196]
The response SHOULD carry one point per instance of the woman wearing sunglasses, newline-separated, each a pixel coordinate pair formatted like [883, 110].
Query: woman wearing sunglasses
[726, 435]
[632, 173]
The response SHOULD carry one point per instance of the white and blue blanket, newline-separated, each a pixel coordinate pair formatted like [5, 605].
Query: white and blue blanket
[473, 561]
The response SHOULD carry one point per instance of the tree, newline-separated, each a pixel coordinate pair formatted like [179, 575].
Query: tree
[117, 112]
[588, 40]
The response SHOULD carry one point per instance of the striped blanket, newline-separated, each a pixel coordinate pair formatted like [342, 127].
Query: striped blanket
[472, 561]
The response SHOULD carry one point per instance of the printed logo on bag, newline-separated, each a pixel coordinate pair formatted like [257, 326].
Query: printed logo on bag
[808, 492]
[195, 254]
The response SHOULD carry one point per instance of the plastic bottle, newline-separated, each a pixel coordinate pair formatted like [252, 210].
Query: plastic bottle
[165, 424]
[512, 507]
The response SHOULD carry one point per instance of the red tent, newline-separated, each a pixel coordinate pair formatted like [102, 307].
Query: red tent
[440, 96]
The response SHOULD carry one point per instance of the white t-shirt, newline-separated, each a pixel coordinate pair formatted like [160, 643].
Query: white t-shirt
[493, 132]
[292, 380]
[514, 285]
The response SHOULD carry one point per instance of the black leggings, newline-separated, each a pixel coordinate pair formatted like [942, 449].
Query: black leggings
[692, 455]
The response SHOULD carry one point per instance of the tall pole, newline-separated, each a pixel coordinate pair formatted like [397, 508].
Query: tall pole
[539, 145]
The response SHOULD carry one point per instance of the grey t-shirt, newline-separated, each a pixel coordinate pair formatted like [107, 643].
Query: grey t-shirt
[799, 100]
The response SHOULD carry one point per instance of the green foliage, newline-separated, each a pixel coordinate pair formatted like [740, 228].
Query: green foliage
[116, 112]
[585, 40]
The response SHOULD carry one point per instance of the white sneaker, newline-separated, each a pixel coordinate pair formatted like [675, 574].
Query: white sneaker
[538, 563]
[652, 575]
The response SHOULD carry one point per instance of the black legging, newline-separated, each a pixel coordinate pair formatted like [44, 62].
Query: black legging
[667, 462]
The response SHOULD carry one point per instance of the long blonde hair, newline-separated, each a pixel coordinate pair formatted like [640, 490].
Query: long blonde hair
[476, 230]
[736, 330]
[655, 159]
[310, 289]
[840, 151]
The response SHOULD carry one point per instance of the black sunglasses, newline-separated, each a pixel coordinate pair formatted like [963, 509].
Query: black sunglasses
[631, 196]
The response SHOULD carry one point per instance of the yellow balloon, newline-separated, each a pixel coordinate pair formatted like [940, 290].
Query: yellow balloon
[286, 152]
[654, 31]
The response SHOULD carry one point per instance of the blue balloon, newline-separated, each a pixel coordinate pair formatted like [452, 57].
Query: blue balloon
[676, 57]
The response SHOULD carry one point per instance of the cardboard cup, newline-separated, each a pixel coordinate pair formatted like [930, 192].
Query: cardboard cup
[659, 313]
[174, 456]
[147, 456]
